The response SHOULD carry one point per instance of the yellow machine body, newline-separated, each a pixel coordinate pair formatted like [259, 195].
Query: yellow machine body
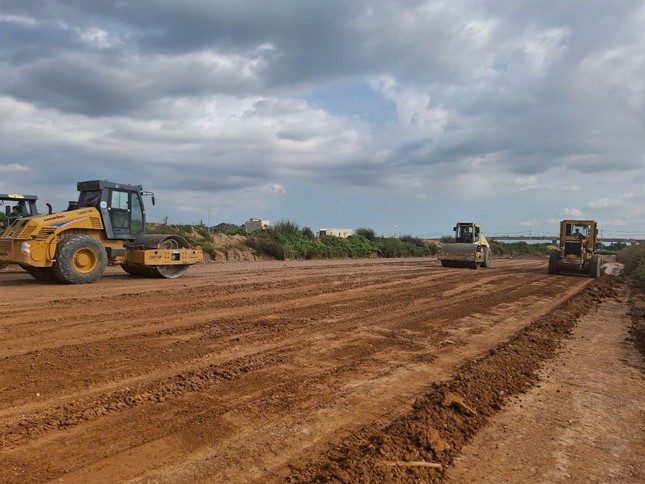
[74, 247]
[470, 249]
[33, 241]
[576, 249]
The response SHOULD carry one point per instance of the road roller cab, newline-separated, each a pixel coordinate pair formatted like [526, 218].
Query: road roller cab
[106, 226]
[470, 249]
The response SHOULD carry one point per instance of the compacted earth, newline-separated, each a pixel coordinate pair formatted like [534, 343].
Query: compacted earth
[329, 371]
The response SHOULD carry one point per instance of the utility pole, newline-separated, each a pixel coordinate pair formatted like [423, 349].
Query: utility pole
[208, 214]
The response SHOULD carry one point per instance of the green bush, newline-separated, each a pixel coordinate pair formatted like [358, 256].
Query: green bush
[406, 246]
[267, 246]
[229, 229]
[639, 275]
[368, 233]
[307, 232]
[516, 248]
[209, 248]
[202, 230]
[633, 260]
[286, 240]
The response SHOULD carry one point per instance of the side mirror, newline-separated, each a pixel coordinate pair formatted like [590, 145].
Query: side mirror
[153, 199]
[7, 210]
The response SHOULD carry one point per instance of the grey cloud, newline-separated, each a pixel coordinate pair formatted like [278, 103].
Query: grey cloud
[525, 87]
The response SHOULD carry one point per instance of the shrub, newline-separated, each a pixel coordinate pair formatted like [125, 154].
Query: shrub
[267, 246]
[365, 232]
[307, 232]
[516, 248]
[209, 248]
[202, 230]
[229, 229]
[633, 260]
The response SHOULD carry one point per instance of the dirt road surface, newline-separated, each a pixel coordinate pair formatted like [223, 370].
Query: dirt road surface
[257, 372]
[585, 422]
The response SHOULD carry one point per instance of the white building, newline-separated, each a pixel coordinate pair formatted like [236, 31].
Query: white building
[343, 233]
[253, 224]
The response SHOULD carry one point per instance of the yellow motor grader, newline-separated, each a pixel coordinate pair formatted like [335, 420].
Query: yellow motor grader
[576, 250]
[470, 249]
[24, 204]
[106, 225]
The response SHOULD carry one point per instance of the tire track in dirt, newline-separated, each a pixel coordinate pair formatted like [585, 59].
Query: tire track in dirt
[200, 340]
[303, 355]
[97, 319]
[448, 416]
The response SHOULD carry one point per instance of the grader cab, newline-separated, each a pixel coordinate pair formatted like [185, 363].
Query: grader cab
[106, 225]
[576, 251]
[17, 206]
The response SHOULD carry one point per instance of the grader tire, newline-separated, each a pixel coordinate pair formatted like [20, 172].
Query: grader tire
[80, 259]
[594, 267]
[554, 259]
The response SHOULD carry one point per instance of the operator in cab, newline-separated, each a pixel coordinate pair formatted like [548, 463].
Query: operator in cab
[14, 215]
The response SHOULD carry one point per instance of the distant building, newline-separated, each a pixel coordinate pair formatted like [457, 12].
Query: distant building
[253, 224]
[343, 233]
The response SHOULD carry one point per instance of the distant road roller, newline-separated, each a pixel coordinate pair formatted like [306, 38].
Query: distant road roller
[470, 249]
[576, 249]
[106, 225]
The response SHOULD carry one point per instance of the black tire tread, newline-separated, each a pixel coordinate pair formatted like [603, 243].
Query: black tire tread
[43, 274]
[63, 267]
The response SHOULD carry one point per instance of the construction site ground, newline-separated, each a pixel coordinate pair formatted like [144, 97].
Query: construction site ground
[328, 371]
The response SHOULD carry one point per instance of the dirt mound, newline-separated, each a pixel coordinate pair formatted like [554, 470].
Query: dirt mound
[230, 248]
[448, 416]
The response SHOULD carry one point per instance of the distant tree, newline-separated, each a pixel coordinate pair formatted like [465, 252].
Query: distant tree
[368, 233]
[307, 232]
[227, 228]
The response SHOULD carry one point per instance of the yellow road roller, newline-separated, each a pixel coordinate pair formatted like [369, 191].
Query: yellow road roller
[470, 249]
[107, 225]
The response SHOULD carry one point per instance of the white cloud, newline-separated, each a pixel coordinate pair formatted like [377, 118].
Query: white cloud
[572, 212]
[19, 19]
[13, 168]
[273, 189]
[99, 38]
[417, 114]
[543, 46]
[604, 203]
[526, 182]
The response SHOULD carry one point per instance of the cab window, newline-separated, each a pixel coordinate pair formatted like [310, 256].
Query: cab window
[119, 209]
[136, 214]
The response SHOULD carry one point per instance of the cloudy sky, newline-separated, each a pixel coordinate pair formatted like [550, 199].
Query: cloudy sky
[400, 116]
